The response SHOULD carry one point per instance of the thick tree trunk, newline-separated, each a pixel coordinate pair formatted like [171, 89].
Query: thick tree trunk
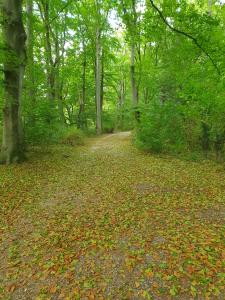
[133, 44]
[14, 38]
[98, 82]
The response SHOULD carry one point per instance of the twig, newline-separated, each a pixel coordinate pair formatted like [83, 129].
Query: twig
[185, 34]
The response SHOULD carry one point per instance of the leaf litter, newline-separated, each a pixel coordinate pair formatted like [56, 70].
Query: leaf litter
[105, 221]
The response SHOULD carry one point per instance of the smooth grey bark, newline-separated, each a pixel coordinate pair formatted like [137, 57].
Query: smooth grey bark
[131, 24]
[30, 59]
[102, 80]
[14, 38]
[210, 7]
[54, 57]
[58, 82]
[59, 97]
[121, 100]
[44, 11]
[69, 109]
[50, 63]
[81, 120]
[133, 83]
[98, 82]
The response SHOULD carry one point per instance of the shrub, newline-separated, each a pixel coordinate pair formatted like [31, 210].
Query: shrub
[161, 129]
[108, 122]
[73, 137]
[0, 135]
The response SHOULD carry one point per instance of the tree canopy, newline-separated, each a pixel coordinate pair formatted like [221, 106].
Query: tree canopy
[99, 66]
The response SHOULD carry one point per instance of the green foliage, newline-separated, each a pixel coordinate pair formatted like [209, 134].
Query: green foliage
[0, 132]
[182, 100]
[108, 119]
[180, 92]
[125, 121]
[54, 133]
[161, 129]
[73, 137]
[42, 125]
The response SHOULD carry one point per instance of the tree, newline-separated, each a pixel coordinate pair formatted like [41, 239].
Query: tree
[130, 18]
[98, 70]
[30, 59]
[14, 38]
[96, 66]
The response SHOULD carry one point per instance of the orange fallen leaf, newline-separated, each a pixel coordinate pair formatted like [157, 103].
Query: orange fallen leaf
[53, 289]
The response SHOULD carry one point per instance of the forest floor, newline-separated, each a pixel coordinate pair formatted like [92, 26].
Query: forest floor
[106, 221]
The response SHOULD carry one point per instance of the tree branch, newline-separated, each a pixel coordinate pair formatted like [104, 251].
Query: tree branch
[194, 40]
[61, 10]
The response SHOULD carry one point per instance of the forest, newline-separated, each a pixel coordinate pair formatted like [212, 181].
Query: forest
[112, 149]
[104, 66]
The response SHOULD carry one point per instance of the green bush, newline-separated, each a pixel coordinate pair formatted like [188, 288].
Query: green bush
[42, 133]
[124, 119]
[161, 129]
[90, 132]
[108, 122]
[73, 137]
[0, 135]
[42, 127]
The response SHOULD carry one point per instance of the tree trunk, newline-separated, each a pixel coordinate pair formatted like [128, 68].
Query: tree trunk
[102, 80]
[69, 110]
[146, 93]
[210, 7]
[59, 97]
[81, 121]
[14, 38]
[98, 82]
[50, 63]
[133, 84]
[58, 82]
[30, 60]
[44, 11]
[121, 100]
[122, 93]
[133, 43]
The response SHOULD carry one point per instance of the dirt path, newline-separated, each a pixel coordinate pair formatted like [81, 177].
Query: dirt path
[105, 221]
